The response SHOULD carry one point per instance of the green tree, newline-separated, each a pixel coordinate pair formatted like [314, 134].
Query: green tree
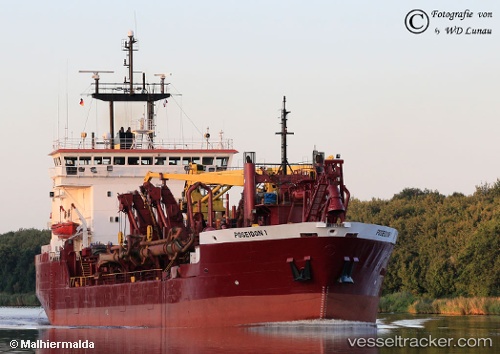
[447, 246]
[17, 255]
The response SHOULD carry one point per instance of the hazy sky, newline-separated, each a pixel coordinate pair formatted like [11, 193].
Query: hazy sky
[403, 109]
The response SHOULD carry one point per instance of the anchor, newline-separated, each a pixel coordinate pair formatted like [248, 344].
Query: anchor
[348, 268]
[302, 274]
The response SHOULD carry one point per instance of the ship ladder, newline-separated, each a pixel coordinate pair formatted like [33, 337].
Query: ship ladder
[317, 202]
[86, 272]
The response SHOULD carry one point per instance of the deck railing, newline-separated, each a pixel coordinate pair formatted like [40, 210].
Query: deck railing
[116, 278]
[104, 143]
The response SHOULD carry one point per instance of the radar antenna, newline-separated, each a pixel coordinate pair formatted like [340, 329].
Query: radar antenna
[162, 81]
[95, 76]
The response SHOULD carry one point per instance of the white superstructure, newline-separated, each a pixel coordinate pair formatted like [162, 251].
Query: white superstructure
[89, 181]
[89, 172]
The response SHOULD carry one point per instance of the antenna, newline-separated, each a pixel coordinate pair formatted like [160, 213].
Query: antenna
[128, 45]
[95, 76]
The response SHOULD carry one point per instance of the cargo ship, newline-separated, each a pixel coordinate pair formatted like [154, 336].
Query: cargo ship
[181, 256]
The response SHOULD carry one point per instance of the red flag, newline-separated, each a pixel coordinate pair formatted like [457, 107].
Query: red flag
[81, 102]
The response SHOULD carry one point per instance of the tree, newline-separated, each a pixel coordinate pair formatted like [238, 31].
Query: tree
[447, 245]
[17, 254]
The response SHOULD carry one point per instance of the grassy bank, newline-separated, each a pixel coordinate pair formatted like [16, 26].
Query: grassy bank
[28, 299]
[407, 302]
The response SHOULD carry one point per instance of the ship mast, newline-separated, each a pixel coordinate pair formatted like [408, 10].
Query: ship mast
[284, 133]
[116, 93]
[129, 47]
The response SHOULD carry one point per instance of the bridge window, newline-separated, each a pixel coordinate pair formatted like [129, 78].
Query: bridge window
[100, 160]
[146, 161]
[160, 160]
[119, 160]
[188, 160]
[207, 161]
[133, 160]
[84, 160]
[174, 160]
[221, 161]
[70, 161]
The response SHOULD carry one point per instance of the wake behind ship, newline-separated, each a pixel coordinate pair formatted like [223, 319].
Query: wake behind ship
[284, 253]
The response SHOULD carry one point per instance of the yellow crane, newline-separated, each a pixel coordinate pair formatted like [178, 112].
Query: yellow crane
[227, 178]
[221, 180]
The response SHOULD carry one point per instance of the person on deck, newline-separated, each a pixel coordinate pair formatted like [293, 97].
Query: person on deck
[129, 138]
[121, 138]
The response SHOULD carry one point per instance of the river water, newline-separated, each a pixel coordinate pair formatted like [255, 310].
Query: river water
[22, 327]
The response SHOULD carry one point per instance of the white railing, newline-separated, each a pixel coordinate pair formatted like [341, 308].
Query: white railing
[89, 143]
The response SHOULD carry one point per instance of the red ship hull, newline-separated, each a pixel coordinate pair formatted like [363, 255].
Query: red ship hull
[232, 284]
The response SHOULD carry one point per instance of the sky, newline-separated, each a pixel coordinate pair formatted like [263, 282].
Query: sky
[404, 110]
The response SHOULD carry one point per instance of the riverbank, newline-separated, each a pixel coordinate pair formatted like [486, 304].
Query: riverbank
[27, 299]
[406, 302]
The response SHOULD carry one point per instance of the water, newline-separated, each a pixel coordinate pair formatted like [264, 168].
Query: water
[392, 334]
